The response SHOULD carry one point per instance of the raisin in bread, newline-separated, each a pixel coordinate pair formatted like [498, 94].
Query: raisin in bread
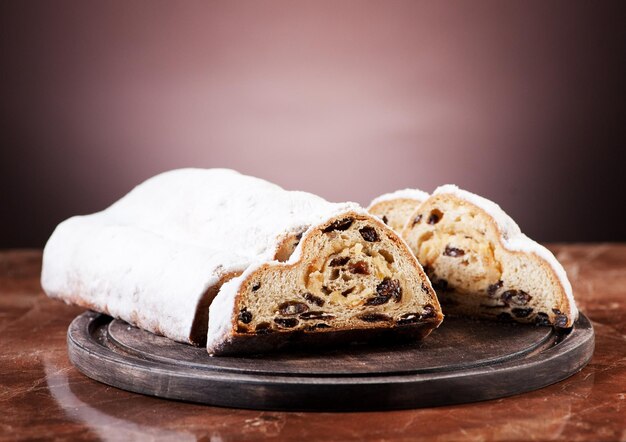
[482, 265]
[157, 257]
[351, 278]
[396, 207]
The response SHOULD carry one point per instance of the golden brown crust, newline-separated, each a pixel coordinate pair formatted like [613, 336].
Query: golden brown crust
[287, 246]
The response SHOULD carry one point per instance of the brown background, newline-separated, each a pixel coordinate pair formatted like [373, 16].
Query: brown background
[522, 102]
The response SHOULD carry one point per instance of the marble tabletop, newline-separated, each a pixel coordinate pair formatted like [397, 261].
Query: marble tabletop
[43, 396]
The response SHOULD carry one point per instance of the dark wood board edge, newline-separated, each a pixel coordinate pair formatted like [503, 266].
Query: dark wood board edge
[326, 393]
[121, 346]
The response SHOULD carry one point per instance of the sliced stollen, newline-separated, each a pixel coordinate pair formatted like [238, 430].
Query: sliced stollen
[351, 278]
[158, 256]
[482, 265]
[395, 208]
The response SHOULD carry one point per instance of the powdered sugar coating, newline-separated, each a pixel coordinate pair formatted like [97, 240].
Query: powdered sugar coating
[223, 209]
[513, 239]
[411, 194]
[131, 273]
[151, 256]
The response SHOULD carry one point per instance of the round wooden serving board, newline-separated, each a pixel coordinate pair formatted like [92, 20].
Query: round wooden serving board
[462, 361]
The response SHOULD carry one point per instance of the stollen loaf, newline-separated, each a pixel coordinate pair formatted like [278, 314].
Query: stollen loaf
[276, 267]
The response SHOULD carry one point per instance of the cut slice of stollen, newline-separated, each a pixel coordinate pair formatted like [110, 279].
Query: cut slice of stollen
[481, 264]
[351, 278]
